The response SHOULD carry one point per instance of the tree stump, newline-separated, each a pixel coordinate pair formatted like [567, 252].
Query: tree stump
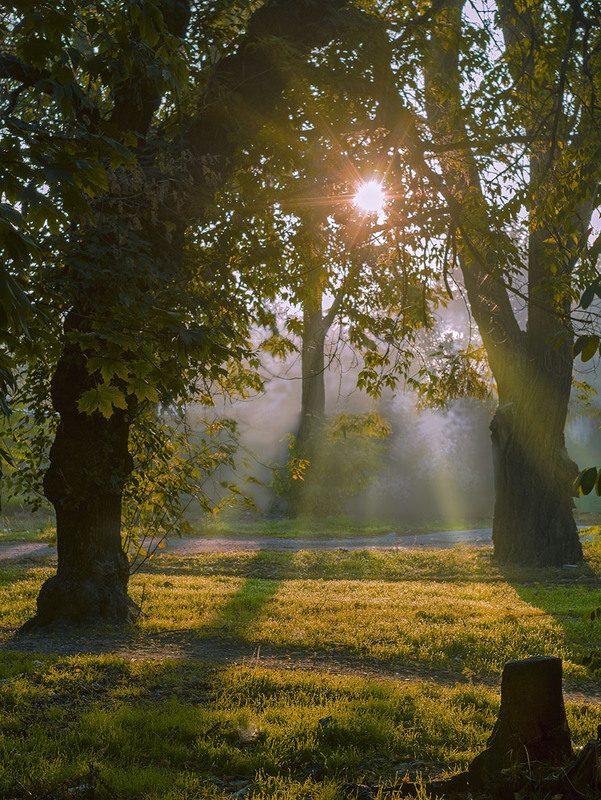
[531, 726]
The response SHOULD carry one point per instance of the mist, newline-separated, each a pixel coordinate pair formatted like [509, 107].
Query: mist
[435, 466]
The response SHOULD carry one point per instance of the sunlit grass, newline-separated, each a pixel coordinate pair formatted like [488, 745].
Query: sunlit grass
[475, 626]
[177, 730]
[168, 730]
[448, 608]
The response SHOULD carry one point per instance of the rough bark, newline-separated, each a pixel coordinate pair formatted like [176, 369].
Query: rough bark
[531, 726]
[313, 394]
[89, 458]
[533, 521]
[89, 464]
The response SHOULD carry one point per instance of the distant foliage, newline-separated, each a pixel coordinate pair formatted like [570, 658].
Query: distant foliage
[451, 373]
[347, 458]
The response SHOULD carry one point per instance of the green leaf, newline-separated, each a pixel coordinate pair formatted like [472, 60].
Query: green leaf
[588, 296]
[109, 368]
[586, 480]
[590, 348]
[143, 390]
[6, 456]
[578, 345]
[11, 214]
[104, 398]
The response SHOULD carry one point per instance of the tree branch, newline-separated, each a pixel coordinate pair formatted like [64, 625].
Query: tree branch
[245, 87]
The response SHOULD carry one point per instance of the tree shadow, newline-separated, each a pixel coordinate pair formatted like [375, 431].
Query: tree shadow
[570, 596]
[249, 602]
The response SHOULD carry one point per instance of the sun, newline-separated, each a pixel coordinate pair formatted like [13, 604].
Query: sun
[370, 197]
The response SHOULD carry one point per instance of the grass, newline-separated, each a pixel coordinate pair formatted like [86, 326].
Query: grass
[184, 730]
[168, 730]
[335, 527]
[19, 523]
[448, 608]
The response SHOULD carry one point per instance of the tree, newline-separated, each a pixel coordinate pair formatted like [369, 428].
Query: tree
[506, 130]
[552, 103]
[297, 239]
[131, 334]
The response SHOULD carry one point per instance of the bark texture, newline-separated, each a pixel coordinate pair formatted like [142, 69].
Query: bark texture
[533, 519]
[89, 464]
[531, 726]
[313, 393]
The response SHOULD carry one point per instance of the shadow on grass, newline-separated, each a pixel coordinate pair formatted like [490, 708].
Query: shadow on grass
[226, 639]
[248, 603]
[571, 596]
[462, 563]
[166, 730]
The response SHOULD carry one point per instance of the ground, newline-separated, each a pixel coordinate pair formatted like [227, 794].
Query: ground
[226, 648]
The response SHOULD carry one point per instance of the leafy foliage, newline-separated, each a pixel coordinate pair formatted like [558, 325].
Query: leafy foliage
[346, 460]
[175, 468]
[57, 150]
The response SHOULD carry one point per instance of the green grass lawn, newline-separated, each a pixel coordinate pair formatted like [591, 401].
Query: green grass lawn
[184, 730]
[329, 528]
[177, 731]
[171, 730]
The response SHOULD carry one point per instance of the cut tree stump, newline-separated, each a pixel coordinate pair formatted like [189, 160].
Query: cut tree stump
[530, 737]
[532, 724]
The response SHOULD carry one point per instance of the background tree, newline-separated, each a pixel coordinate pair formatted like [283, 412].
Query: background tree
[298, 239]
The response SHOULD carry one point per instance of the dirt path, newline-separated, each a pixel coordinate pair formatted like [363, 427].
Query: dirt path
[12, 551]
[389, 541]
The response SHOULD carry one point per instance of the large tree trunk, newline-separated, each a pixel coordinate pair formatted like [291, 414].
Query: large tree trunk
[533, 518]
[533, 522]
[89, 464]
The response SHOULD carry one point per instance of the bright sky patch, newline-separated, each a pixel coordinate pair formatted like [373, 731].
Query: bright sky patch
[370, 197]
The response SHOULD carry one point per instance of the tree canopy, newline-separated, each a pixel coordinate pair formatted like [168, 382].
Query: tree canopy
[133, 135]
